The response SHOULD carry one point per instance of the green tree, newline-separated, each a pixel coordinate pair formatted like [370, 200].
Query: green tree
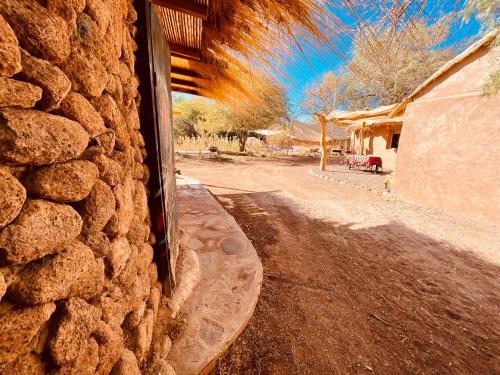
[269, 107]
[387, 64]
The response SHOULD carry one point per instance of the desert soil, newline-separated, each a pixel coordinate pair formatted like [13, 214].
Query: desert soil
[355, 283]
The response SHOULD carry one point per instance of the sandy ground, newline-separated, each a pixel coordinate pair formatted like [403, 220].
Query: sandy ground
[355, 283]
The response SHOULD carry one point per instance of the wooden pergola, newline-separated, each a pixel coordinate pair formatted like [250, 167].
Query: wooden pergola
[355, 119]
[182, 22]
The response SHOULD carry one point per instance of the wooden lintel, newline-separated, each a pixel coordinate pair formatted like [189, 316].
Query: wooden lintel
[185, 90]
[185, 6]
[183, 82]
[185, 72]
[185, 52]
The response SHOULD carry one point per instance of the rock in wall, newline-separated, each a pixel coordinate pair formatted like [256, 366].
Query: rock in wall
[77, 295]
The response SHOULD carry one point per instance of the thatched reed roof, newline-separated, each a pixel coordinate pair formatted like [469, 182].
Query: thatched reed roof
[339, 115]
[221, 47]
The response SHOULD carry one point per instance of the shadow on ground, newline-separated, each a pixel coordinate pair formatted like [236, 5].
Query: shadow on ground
[341, 300]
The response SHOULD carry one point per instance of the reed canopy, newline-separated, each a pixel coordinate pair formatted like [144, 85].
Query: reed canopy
[223, 48]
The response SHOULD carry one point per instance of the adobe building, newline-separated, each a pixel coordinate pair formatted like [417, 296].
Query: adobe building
[448, 152]
[90, 222]
[372, 132]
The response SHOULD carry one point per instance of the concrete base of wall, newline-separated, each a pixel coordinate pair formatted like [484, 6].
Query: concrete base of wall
[230, 277]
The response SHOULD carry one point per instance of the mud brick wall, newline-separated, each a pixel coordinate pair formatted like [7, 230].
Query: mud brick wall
[79, 292]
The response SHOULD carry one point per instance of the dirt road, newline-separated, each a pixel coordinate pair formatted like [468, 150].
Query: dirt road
[356, 284]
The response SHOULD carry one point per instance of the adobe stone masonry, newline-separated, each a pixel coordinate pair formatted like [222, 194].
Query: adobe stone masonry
[79, 291]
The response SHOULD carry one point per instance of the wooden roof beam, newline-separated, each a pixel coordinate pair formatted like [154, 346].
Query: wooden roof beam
[183, 82]
[185, 90]
[185, 6]
[185, 52]
[185, 72]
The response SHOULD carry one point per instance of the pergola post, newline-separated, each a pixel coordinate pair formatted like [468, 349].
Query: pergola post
[362, 139]
[322, 122]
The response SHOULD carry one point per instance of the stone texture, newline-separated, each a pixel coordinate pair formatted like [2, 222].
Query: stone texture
[135, 317]
[35, 137]
[113, 119]
[127, 365]
[118, 255]
[28, 364]
[120, 221]
[98, 242]
[10, 56]
[67, 10]
[110, 171]
[76, 107]
[50, 78]
[141, 200]
[42, 32]
[145, 258]
[166, 369]
[86, 361]
[70, 181]
[97, 208]
[74, 272]
[14, 93]
[19, 326]
[3, 286]
[100, 13]
[40, 229]
[144, 335]
[12, 197]
[138, 231]
[78, 321]
[87, 74]
[111, 345]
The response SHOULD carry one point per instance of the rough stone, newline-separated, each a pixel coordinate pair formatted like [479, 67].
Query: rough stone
[3, 286]
[78, 321]
[12, 197]
[141, 200]
[120, 221]
[113, 119]
[138, 232]
[137, 171]
[87, 74]
[73, 272]
[40, 31]
[118, 255]
[98, 242]
[166, 369]
[134, 318]
[70, 181]
[10, 56]
[111, 345]
[40, 229]
[28, 364]
[19, 326]
[14, 93]
[68, 10]
[100, 13]
[86, 361]
[145, 258]
[144, 335]
[97, 208]
[110, 171]
[153, 273]
[114, 88]
[35, 137]
[154, 301]
[127, 365]
[50, 78]
[76, 107]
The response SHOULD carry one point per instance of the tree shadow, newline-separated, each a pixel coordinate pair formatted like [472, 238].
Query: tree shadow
[340, 298]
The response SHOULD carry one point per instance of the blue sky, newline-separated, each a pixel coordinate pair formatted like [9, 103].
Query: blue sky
[299, 72]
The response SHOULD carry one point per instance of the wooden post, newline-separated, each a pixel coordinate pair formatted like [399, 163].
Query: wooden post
[322, 122]
[362, 139]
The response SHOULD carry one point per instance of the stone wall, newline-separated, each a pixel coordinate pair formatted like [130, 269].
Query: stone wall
[79, 292]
